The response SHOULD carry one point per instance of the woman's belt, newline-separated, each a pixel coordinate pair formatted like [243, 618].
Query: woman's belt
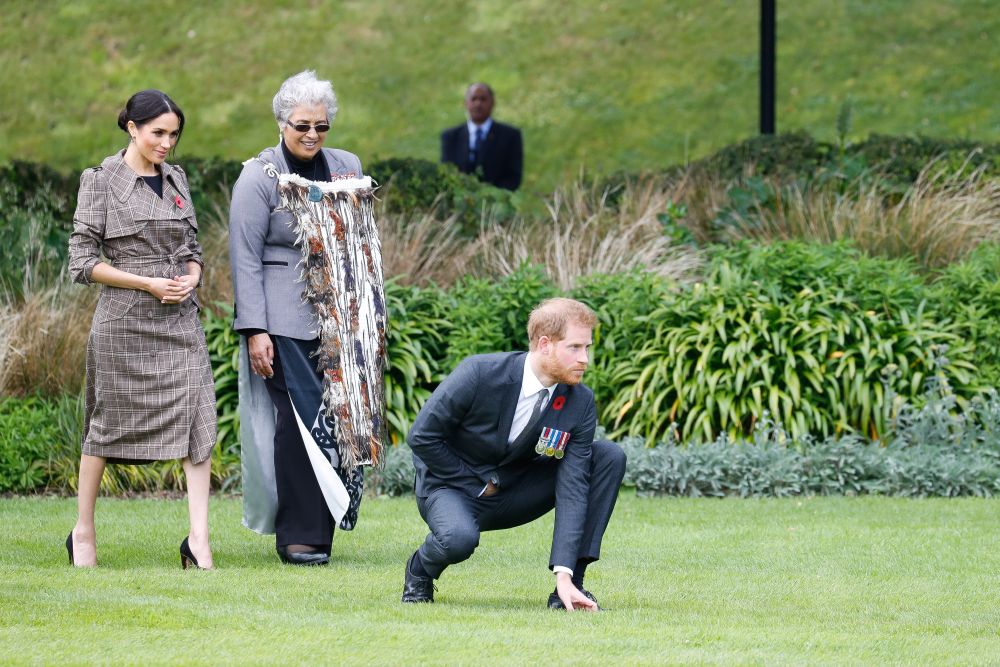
[145, 264]
[152, 260]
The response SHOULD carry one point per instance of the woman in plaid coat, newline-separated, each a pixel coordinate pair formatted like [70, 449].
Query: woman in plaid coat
[150, 394]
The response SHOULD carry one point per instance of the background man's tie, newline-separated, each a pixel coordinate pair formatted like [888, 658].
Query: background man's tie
[474, 151]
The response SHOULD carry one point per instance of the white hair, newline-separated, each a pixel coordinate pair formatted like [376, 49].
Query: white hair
[303, 88]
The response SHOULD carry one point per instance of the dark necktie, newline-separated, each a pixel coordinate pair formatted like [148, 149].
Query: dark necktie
[536, 413]
[476, 147]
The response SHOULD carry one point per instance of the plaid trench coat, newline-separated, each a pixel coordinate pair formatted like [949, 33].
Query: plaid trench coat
[150, 394]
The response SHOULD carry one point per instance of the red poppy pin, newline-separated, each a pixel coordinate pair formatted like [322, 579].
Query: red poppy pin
[178, 201]
[558, 403]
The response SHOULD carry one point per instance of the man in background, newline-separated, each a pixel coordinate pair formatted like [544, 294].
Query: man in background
[482, 146]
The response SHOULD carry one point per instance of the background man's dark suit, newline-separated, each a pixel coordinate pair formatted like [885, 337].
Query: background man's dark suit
[498, 161]
[459, 443]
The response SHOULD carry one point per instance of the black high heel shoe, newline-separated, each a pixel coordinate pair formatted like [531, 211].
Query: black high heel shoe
[187, 558]
[69, 547]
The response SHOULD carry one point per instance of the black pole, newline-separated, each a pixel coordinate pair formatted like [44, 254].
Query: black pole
[767, 40]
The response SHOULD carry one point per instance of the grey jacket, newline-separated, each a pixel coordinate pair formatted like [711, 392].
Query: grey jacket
[262, 248]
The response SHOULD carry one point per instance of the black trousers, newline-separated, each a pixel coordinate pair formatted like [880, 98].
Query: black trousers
[456, 520]
[303, 516]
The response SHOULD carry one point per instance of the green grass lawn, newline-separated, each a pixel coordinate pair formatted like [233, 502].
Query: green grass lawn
[820, 580]
[594, 84]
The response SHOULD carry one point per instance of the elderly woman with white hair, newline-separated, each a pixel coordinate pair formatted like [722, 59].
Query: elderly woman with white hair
[278, 326]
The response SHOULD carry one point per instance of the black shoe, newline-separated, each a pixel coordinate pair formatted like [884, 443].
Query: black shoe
[555, 603]
[69, 546]
[187, 558]
[302, 557]
[415, 587]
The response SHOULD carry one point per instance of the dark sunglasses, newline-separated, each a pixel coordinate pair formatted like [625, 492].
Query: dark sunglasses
[305, 127]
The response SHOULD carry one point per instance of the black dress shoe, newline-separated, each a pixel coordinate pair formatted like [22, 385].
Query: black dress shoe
[302, 557]
[556, 603]
[415, 587]
[187, 558]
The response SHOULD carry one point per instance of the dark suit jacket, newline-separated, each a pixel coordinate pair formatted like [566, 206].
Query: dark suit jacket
[499, 161]
[459, 440]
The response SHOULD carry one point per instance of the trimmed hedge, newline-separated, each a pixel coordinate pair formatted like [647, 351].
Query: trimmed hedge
[929, 451]
[413, 184]
[899, 159]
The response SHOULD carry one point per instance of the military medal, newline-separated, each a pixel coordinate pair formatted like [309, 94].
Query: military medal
[552, 442]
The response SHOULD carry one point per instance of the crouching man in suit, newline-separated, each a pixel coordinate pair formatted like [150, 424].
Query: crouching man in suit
[505, 438]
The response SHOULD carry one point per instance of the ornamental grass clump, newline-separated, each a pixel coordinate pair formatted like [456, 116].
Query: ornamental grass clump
[46, 341]
[421, 248]
[590, 232]
[936, 221]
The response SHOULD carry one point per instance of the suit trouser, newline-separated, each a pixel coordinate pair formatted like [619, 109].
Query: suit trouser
[303, 516]
[456, 520]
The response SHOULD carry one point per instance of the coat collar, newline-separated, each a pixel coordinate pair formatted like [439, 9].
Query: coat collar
[513, 374]
[277, 157]
[122, 180]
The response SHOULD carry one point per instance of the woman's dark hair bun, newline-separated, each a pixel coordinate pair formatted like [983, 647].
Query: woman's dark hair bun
[123, 120]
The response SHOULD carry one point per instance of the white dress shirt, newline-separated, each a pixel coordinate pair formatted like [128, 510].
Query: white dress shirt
[530, 386]
[487, 124]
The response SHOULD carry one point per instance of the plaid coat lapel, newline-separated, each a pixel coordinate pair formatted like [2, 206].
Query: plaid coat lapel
[176, 200]
[128, 188]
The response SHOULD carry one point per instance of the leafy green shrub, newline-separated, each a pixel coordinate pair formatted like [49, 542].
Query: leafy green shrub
[409, 184]
[770, 463]
[57, 468]
[224, 354]
[873, 283]
[491, 316]
[211, 180]
[418, 333]
[623, 303]
[395, 478]
[725, 351]
[835, 466]
[969, 293]
[27, 435]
